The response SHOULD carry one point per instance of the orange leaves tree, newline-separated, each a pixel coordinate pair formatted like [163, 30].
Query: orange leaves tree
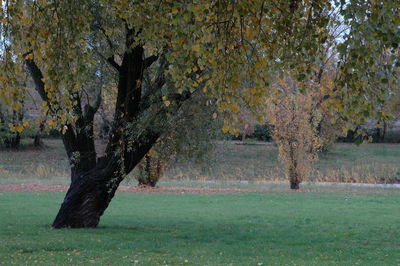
[294, 119]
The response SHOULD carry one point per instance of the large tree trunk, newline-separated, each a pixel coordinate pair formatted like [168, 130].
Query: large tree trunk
[91, 191]
[87, 198]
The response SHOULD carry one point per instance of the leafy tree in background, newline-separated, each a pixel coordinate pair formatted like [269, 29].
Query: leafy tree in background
[225, 49]
[294, 117]
[309, 113]
[190, 137]
[11, 127]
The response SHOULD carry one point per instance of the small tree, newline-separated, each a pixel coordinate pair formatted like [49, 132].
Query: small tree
[150, 169]
[294, 121]
[191, 135]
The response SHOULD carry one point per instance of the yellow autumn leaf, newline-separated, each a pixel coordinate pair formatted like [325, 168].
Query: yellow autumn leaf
[19, 128]
[175, 11]
[196, 48]
[29, 56]
[259, 65]
[235, 109]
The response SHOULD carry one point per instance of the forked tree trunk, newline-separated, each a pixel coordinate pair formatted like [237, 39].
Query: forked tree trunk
[94, 182]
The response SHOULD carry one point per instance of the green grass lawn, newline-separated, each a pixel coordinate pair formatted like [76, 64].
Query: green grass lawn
[215, 229]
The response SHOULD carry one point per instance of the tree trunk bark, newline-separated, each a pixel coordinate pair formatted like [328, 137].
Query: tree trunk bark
[87, 198]
[146, 183]
[91, 190]
[37, 141]
[293, 174]
[13, 142]
[294, 184]
[384, 129]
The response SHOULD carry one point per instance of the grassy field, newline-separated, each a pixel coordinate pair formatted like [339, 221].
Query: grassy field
[258, 162]
[331, 225]
[285, 228]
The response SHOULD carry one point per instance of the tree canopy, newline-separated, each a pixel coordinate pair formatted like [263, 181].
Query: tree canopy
[159, 54]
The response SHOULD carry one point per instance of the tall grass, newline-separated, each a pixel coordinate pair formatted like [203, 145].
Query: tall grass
[230, 161]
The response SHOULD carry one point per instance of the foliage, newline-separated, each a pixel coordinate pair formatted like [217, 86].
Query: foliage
[258, 34]
[12, 125]
[190, 136]
[369, 57]
[150, 169]
[294, 118]
[262, 133]
[222, 32]
[162, 53]
[219, 38]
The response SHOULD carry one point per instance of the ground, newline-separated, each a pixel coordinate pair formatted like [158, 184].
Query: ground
[202, 214]
[286, 228]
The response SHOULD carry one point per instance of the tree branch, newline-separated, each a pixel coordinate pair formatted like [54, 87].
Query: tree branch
[114, 64]
[37, 77]
[149, 61]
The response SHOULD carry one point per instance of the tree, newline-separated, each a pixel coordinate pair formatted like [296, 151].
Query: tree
[300, 110]
[186, 46]
[132, 38]
[294, 117]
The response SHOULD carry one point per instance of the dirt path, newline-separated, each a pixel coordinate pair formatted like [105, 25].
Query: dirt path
[350, 188]
[169, 189]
